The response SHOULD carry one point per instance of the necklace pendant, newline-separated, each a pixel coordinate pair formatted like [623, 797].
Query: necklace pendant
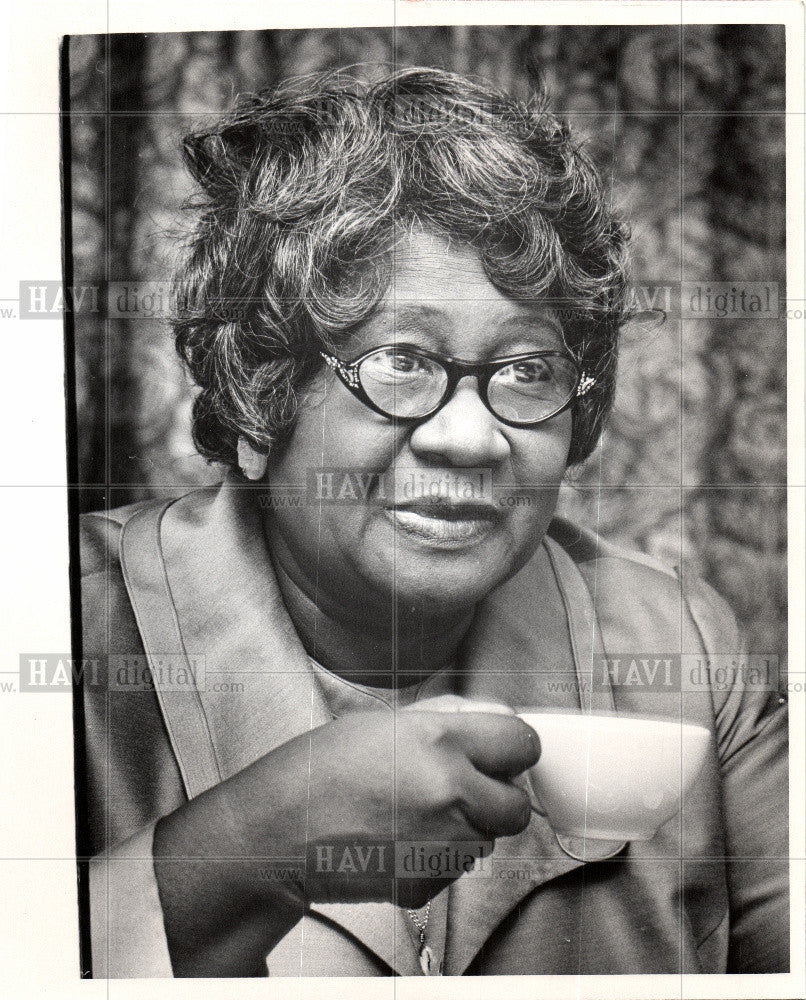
[428, 962]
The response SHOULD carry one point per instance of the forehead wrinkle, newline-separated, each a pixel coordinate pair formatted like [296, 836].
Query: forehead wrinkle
[509, 326]
[389, 323]
[404, 310]
[436, 323]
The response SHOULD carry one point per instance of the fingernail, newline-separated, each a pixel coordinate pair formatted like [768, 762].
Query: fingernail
[535, 743]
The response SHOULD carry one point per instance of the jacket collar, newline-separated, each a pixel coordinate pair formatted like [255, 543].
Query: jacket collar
[202, 587]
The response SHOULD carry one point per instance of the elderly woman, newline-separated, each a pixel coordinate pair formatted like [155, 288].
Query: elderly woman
[402, 306]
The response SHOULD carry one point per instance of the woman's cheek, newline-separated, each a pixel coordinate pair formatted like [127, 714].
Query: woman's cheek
[540, 456]
[354, 445]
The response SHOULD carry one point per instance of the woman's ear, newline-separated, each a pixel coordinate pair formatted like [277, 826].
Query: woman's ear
[252, 463]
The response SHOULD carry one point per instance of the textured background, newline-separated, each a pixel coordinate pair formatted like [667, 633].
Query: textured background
[688, 128]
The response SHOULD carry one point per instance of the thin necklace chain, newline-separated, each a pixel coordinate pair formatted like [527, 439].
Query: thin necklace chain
[428, 960]
[421, 925]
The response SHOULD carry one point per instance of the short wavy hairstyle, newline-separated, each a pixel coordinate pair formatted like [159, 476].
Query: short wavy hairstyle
[307, 188]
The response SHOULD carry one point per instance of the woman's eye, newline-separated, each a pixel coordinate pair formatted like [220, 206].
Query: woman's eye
[404, 363]
[396, 367]
[531, 371]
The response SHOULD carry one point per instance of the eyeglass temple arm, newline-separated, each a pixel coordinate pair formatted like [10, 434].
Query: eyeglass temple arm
[586, 383]
[346, 371]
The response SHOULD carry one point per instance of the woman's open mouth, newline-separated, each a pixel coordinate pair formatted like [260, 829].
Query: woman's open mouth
[444, 523]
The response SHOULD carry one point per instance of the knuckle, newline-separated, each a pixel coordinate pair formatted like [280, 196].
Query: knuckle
[436, 728]
[426, 723]
[443, 793]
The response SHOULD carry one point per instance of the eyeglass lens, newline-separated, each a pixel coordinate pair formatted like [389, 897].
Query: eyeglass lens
[405, 384]
[402, 384]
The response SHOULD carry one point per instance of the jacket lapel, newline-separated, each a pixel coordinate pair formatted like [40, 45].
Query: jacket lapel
[203, 589]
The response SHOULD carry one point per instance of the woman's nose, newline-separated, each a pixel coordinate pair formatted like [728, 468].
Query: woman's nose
[463, 432]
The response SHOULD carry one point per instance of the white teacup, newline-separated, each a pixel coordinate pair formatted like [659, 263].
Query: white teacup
[611, 776]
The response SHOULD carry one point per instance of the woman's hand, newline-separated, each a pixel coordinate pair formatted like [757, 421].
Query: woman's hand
[438, 772]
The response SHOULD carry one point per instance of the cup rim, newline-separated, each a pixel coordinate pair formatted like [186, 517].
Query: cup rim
[520, 711]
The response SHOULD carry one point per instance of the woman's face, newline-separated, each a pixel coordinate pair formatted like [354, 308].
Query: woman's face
[496, 485]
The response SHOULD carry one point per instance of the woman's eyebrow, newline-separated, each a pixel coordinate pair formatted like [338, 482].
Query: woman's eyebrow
[533, 313]
[391, 322]
[528, 327]
[534, 325]
[413, 313]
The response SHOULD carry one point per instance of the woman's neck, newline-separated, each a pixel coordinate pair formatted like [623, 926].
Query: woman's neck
[380, 647]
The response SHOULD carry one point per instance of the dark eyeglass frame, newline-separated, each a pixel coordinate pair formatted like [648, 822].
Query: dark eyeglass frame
[456, 369]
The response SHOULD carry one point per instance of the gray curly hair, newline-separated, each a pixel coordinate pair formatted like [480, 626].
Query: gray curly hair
[306, 189]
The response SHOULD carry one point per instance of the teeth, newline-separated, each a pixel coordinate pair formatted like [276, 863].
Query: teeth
[432, 515]
[442, 513]
[440, 528]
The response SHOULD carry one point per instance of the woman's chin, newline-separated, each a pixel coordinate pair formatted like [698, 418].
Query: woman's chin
[438, 583]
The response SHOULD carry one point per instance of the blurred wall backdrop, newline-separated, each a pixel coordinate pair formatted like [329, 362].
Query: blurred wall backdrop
[688, 128]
